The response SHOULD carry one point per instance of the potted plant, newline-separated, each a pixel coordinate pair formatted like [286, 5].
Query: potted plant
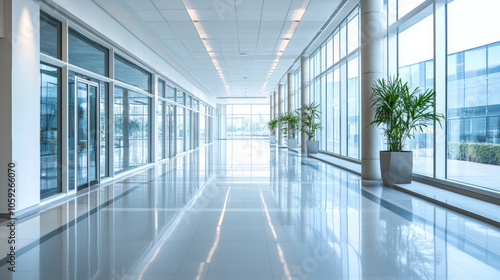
[310, 116]
[290, 127]
[400, 112]
[271, 125]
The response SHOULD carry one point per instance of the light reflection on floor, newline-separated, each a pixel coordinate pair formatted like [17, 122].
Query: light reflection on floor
[244, 210]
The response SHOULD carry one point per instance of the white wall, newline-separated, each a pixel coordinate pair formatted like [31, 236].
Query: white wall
[20, 103]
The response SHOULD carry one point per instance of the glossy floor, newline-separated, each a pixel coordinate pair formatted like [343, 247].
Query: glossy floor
[245, 210]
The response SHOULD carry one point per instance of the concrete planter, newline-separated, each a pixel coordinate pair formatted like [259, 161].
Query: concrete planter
[272, 139]
[292, 143]
[312, 146]
[396, 167]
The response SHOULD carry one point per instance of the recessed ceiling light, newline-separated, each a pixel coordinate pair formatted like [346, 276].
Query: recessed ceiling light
[195, 21]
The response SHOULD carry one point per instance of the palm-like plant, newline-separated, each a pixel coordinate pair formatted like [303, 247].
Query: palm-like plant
[401, 111]
[271, 125]
[290, 122]
[310, 114]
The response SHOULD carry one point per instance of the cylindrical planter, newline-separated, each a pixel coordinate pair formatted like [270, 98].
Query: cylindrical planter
[312, 146]
[292, 143]
[396, 167]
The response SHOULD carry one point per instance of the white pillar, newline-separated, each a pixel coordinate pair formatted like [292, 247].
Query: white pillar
[20, 103]
[373, 29]
[275, 111]
[304, 93]
[290, 96]
[281, 97]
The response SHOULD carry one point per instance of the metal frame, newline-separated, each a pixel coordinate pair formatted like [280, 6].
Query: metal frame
[98, 133]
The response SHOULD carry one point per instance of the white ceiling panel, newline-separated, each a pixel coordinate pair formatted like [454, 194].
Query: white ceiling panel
[248, 5]
[150, 15]
[277, 4]
[249, 15]
[274, 15]
[243, 36]
[140, 4]
[168, 4]
[176, 15]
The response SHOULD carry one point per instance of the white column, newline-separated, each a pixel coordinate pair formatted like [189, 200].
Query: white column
[373, 29]
[290, 96]
[20, 102]
[275, 111]
[281, 97]
[304, 93]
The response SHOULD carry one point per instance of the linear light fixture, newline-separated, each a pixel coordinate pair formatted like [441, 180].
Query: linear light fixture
[203, 36]
[296, 18]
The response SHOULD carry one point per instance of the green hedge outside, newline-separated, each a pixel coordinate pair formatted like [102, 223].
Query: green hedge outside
[476, 152]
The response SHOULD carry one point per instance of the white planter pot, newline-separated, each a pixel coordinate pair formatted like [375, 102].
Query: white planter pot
[272, 139]
[312, 146]
[396, 167]
[292, 143]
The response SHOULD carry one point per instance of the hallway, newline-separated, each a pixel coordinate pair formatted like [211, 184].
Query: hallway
[245, 210]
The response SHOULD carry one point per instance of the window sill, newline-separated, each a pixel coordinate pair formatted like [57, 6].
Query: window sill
[470, 206]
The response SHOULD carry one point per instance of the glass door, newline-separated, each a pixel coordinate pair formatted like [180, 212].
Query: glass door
[87, 145]
[171, 131]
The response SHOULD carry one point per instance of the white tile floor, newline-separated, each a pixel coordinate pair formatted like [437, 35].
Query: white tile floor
[244, 210]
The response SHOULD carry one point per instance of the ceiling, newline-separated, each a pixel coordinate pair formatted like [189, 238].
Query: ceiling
[235, 48]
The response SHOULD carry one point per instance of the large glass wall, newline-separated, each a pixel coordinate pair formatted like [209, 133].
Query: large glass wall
[87, 54]
[416, 67]
[473, 94]
[180, 129]
[132, 129]
[334, 69]
[50, 130]
[466, 149]
[246, 121]
[91, 110]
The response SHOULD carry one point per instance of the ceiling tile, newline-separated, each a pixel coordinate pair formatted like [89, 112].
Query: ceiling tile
[149, 15]
[170, 4]
[248, 15]
[274, 15]
[141, 4]
[175, 15]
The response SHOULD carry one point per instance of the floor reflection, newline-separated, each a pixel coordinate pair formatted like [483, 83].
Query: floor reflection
[248, 210]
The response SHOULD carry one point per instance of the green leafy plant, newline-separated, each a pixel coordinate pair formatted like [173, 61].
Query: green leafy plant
[290, 123]
[310, 119]
[271, 125]
[401, 112]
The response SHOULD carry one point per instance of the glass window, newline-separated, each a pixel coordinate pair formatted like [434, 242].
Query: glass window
[343, 41]
[160, 117]
[50, 36]
[180, 130]
[104, 121]
[132, 127]
[50, 130]
[336, 47]
[132, 74]
[472, 92]
[336, 111]
[85, 53]
[180, 97]
[323, 58]
[161, 88]
[329, 53]
[188, 129]
[170, 93]
[416, 66]
[352, 35]
[329, 113]
[353, 104]
[406, 6]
